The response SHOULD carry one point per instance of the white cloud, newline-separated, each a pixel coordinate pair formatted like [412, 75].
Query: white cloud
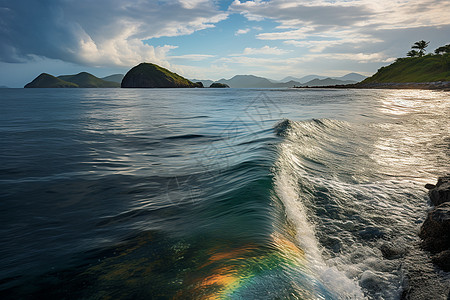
[357, 57]
[192, 57]
[242, 31]
[383, 14]
[266, 50]
[363, 31]
[101, 32]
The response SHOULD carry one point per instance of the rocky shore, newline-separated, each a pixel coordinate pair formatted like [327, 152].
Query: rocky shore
[435, 85]
[435, 231]
[425, 277]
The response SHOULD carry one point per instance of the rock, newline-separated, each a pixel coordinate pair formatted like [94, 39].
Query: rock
[435, 232]
[429, 186]
[442, 259]
[146, 75]
[441, 192]
[393, 251]
[219, 85]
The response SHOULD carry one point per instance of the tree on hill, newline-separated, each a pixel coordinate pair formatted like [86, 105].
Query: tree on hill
[420, 45]
[443, 49]
[412, 53]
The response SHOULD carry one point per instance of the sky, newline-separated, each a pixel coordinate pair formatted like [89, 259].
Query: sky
[213, 39]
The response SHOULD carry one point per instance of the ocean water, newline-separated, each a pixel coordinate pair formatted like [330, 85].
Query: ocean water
[217, 193]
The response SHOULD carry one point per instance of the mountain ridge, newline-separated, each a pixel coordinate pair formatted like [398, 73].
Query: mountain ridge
[87, 80]
[80, 80]
[45, 80]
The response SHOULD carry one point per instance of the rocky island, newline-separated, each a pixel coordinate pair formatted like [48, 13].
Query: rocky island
[80, 80]
[147, 75]
[219, 85]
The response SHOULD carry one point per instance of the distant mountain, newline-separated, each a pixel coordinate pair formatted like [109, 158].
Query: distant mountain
[3, 87]
[205, 82]
[352, 76]
[247, 81]
[251, 81]
[114, 78]
[147, 75]
[303, 79]
[45, 80]
[86, 80]
[327, 81]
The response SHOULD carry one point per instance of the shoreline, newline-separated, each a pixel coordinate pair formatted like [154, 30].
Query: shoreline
[435, 85]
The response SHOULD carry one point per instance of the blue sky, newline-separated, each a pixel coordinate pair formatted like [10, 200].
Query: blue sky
[207, 39]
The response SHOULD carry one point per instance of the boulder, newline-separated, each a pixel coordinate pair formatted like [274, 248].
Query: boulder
[441, 191]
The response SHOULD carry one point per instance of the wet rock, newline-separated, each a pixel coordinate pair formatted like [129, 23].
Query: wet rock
[429, 186]
[435, 231]
[392, 251]
[442, 259]
[441, 192]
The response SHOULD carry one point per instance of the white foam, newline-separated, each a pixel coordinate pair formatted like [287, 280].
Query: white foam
[288, 173]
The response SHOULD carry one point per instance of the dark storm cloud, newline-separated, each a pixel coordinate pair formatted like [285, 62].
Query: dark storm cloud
[72, 30]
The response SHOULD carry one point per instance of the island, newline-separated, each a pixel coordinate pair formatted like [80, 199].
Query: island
[216, 85]
[148, 75]
[80, 80]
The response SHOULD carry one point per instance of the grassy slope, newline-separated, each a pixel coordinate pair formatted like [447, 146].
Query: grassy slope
[159, 75]
[48, 81]
[173, 77]
[86, 80]
[114, 78]
[417, 69]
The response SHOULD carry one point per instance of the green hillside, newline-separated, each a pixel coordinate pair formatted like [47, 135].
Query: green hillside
[427, 68]
[114, 78]
[48, 81]
[86, 80]
[147, 75]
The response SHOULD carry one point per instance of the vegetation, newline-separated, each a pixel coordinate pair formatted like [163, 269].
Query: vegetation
[443, 50]
[114, 78]
[421, 46]
[417, 67]
[147, 75]
[219, 85]
[45, 80]
[412, 53]
[81, 80]
[86, 80]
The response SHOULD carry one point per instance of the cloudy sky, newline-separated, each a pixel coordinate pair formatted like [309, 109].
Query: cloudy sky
[212, 39]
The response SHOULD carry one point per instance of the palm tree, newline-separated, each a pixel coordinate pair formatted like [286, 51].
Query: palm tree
[421, 45]
[443, 49]
[412, 53]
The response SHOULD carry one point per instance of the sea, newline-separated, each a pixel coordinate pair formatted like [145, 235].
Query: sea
[218, 193]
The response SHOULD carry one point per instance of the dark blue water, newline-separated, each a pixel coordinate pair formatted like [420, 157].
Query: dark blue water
[228, 193]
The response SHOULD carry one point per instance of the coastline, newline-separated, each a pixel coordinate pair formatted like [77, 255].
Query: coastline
[428, 283]
[435, 85]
